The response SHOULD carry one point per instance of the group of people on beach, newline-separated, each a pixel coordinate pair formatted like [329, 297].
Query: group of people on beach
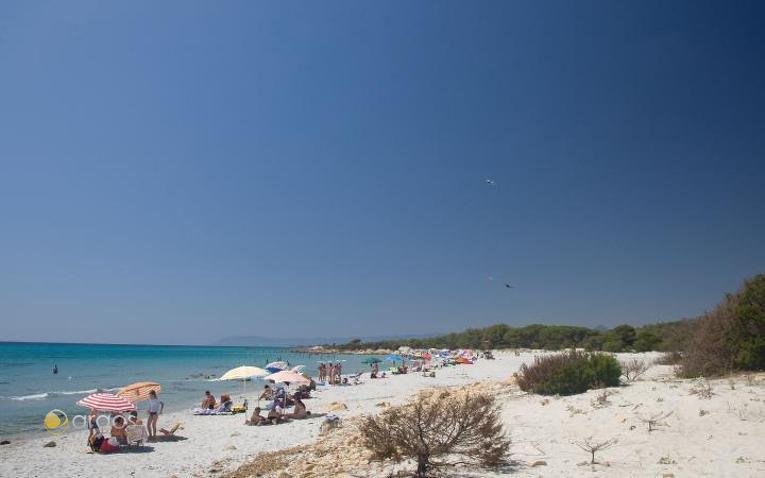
[128, 428]
[277, 413]
[121, 424]
[330, 373]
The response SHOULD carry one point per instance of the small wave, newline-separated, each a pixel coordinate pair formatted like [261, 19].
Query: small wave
[76, 392]
[36, 396]
[44, 395]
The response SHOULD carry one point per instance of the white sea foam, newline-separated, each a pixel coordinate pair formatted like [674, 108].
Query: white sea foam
[36, 396]
[44, 395]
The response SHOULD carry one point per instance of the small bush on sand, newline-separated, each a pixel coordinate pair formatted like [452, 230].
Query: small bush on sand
[634, 369]
[569, 373]
[437, 427]
[592, 446]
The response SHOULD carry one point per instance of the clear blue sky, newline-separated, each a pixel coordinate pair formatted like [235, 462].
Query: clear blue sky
[182, 171]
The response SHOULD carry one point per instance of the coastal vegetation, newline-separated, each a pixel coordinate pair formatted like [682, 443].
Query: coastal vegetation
[569, 373]
[669, 336]
[731, 337]
[439, 426]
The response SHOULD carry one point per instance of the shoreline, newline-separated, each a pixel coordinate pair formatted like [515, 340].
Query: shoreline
[541, 429]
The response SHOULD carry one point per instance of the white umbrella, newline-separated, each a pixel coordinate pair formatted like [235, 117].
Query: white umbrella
[243, 373]
[297, 368]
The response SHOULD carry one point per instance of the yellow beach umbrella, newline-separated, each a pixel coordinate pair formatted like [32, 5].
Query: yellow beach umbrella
[136, 392]
[243, 373]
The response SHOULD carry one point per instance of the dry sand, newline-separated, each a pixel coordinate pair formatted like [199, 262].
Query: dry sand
[718, 436]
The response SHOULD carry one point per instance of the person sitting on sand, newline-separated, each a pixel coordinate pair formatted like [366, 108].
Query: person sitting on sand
[99, 444]
[267, 394]
[225, 403]
[275, 417]
[118, 430]
[300, 411]
[134, 420]
[256, 418]
[208, 402]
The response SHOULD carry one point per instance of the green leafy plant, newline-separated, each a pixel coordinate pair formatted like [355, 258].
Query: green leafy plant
[569, 373]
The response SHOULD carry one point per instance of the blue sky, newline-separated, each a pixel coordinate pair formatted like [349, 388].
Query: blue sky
[177, 172]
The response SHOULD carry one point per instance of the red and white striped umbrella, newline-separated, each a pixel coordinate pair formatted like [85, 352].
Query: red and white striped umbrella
[106, 402]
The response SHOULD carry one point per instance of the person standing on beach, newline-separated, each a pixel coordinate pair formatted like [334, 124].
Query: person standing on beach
[156, 406]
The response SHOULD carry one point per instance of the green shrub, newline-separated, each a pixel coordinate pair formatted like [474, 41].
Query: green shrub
[569, 373]
[731, 337]
[748, 331]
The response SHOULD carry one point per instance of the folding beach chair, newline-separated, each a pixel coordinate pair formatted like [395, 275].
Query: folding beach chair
[136, 434]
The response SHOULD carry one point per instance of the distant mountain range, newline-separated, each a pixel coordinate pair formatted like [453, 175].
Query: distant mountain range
[255, 340]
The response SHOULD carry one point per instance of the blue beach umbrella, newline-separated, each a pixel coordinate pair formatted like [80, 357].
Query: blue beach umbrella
[394, 358]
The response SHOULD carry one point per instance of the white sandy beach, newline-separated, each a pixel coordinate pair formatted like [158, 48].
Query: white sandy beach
[721, 436]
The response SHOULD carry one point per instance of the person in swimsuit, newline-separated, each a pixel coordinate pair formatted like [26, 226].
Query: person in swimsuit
[208, 403]
[92, 424]
[267, 394]
[118, 430]
[156, 406]
[300, 410]
[256, 418]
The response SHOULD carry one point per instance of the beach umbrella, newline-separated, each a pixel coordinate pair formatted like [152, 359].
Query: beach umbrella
[137, 392]
[297, 368]
[277, 366]
[394, 358]
[243, 373]
[427, 356]
[288, 376]
[107, 402]
[371, 360]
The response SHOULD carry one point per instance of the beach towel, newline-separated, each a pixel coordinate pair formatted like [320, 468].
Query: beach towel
[208, 411]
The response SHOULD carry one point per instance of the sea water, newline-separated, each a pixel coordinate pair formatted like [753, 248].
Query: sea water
[29, 389]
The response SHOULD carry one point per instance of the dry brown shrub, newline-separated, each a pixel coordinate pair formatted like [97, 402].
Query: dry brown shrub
[710, 352]
[592, 446]
[438, 429]
[634, 369]
[266, 463]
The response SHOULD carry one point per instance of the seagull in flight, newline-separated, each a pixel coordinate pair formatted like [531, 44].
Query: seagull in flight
[508, 285]
[490, 181]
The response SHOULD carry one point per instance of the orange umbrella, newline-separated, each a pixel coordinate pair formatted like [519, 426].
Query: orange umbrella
[139, 391]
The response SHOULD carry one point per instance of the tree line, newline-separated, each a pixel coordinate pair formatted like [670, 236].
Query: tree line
[667, 336]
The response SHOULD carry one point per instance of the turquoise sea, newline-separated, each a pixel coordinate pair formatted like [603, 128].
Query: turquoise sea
[29, 389]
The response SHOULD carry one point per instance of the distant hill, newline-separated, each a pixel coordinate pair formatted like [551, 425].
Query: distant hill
[260, 341]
